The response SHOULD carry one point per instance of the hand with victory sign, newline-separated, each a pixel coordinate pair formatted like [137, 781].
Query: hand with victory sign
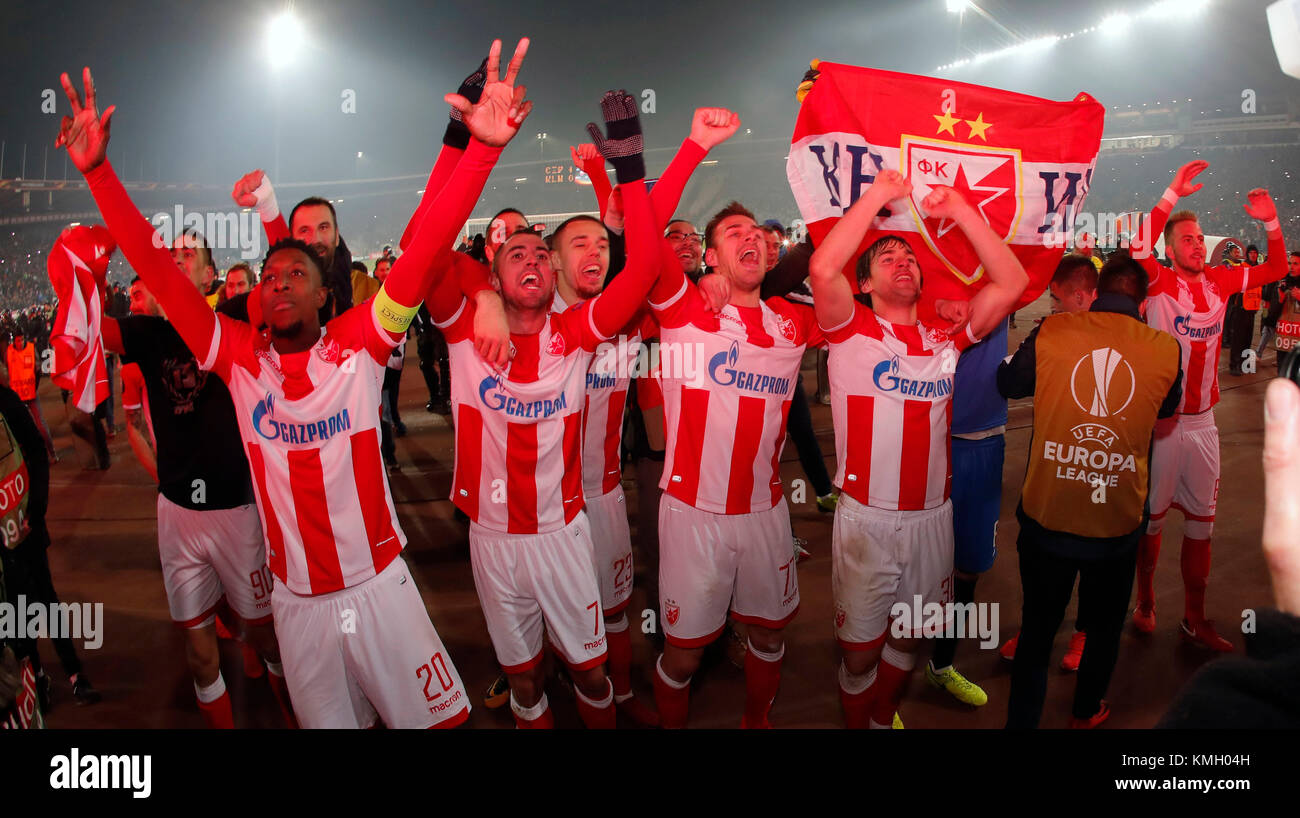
[495, 119]
[85, 133]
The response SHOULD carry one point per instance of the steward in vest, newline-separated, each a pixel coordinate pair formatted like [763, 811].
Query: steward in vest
[1100, 379]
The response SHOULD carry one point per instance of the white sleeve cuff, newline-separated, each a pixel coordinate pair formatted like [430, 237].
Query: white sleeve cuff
[673, 299]
[267, 208]
[454, 316]
[211, 359]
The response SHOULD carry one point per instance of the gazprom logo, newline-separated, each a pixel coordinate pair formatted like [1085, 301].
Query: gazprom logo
[891, 382]
[316, 431]
[265, 409]
[740, 379]
[885, 375]
[492, 395]
[1181, 328]
[727, 359]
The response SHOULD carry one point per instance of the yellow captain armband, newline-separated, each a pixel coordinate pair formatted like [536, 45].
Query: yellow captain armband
[391, 315]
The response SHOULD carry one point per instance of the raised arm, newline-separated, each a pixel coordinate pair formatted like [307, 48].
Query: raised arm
[710, 127]
[589, 160]
[85, 134]
[1007, 277]
[254, 190]
[622, 145]
[493, 121]
[454, 142]
[832, 292]
[1260, 206]
[1142, 245]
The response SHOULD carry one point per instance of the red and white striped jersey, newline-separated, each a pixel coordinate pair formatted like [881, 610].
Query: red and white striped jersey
[309, 421]
[891, 401]
[728, 379]
[1192, 310]
[519, 433]
[608, 379]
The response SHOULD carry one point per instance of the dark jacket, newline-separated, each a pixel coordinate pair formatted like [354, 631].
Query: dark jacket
[1246, 692]
[1017, 378]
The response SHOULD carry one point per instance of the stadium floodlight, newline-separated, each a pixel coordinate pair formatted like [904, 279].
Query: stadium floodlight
[284, 38]
[1039, 43]
[1117, 23]
[958, 6]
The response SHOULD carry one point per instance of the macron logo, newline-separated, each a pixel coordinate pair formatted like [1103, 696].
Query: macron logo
[91, 772]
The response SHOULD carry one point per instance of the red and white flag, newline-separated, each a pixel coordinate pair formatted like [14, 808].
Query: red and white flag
[1026, 163]
[78, 264]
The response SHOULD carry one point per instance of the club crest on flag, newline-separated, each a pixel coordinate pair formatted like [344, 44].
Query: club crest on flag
[988, 177]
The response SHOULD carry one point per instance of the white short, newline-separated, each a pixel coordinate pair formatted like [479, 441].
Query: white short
[531, 583]
[366, 649]
[611, 541]
[711, 563]
[881, 557]
[1185, 469]
[210, 554]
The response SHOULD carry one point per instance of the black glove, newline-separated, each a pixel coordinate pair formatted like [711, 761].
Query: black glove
[457, 135]
[623, 147]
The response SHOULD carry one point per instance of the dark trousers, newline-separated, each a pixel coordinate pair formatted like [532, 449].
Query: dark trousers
[431, 346]
[27, 572]
[798, 426]
[1047, 581]
[110, 363]
[1239, 323]
[388, 415]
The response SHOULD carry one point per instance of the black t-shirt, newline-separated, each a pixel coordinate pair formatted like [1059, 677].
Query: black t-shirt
[193, 419]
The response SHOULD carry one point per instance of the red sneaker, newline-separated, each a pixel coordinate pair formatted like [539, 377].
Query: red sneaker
[1089, 723]
[1144, 618]
[1008, 649]
[1204, 634]
[763, 725]
[1074, 653]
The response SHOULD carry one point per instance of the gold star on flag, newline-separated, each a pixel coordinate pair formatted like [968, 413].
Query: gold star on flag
[978, 126]
[946, 122]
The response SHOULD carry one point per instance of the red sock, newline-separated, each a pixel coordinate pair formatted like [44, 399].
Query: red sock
[216, 710]
[1196, 575]
[857, 706]
[597, 715]
[537, 717]
[222, 631]
[252, 662]
[217, 714]
[281, 690]
[619, 656]
[672, 701]
[762, 678]
[1148, 554]
[891, 679]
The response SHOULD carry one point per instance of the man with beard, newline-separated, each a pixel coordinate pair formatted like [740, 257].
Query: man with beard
[307, 401]
[519, 470]
[1189, 302]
